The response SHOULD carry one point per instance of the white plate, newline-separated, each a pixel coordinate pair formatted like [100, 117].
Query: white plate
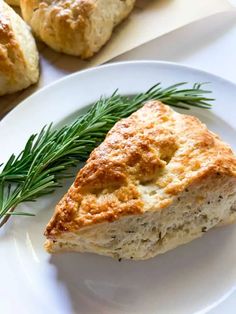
[198, 277]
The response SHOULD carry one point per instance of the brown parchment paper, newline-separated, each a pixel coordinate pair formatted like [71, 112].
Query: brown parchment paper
[149, 20]
[154, 18]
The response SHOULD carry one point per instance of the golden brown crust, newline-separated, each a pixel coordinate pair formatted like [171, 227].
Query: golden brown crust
[155, 144]
[18, 53]
[9, 48]
[59, 23]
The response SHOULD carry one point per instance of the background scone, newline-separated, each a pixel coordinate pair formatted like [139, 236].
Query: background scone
[18, 53]
[160, 179]
[75, 27]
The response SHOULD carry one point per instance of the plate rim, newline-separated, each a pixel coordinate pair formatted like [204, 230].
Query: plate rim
[20, 106]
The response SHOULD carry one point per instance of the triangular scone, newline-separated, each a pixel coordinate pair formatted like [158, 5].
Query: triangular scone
[160, 179]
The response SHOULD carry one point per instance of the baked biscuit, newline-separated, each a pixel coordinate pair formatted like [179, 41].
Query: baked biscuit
[75, 27]
[160, 179]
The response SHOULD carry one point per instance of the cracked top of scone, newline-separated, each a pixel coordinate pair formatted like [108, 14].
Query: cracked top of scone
[156, 147]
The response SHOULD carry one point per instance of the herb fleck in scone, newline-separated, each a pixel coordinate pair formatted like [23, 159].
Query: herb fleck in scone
[160, 179]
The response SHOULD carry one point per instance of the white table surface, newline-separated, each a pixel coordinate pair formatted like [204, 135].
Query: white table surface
[209, 44]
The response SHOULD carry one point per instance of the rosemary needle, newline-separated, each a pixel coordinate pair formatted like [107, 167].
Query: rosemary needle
[49, 155]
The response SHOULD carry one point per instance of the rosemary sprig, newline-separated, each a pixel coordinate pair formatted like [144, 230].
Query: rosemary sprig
[48, 156]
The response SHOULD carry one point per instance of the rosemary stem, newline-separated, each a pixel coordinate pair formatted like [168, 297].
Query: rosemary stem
[6, 217]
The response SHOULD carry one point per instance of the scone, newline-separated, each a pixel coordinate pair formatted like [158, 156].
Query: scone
[19, 60]
[160, 179]
[75, 27]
